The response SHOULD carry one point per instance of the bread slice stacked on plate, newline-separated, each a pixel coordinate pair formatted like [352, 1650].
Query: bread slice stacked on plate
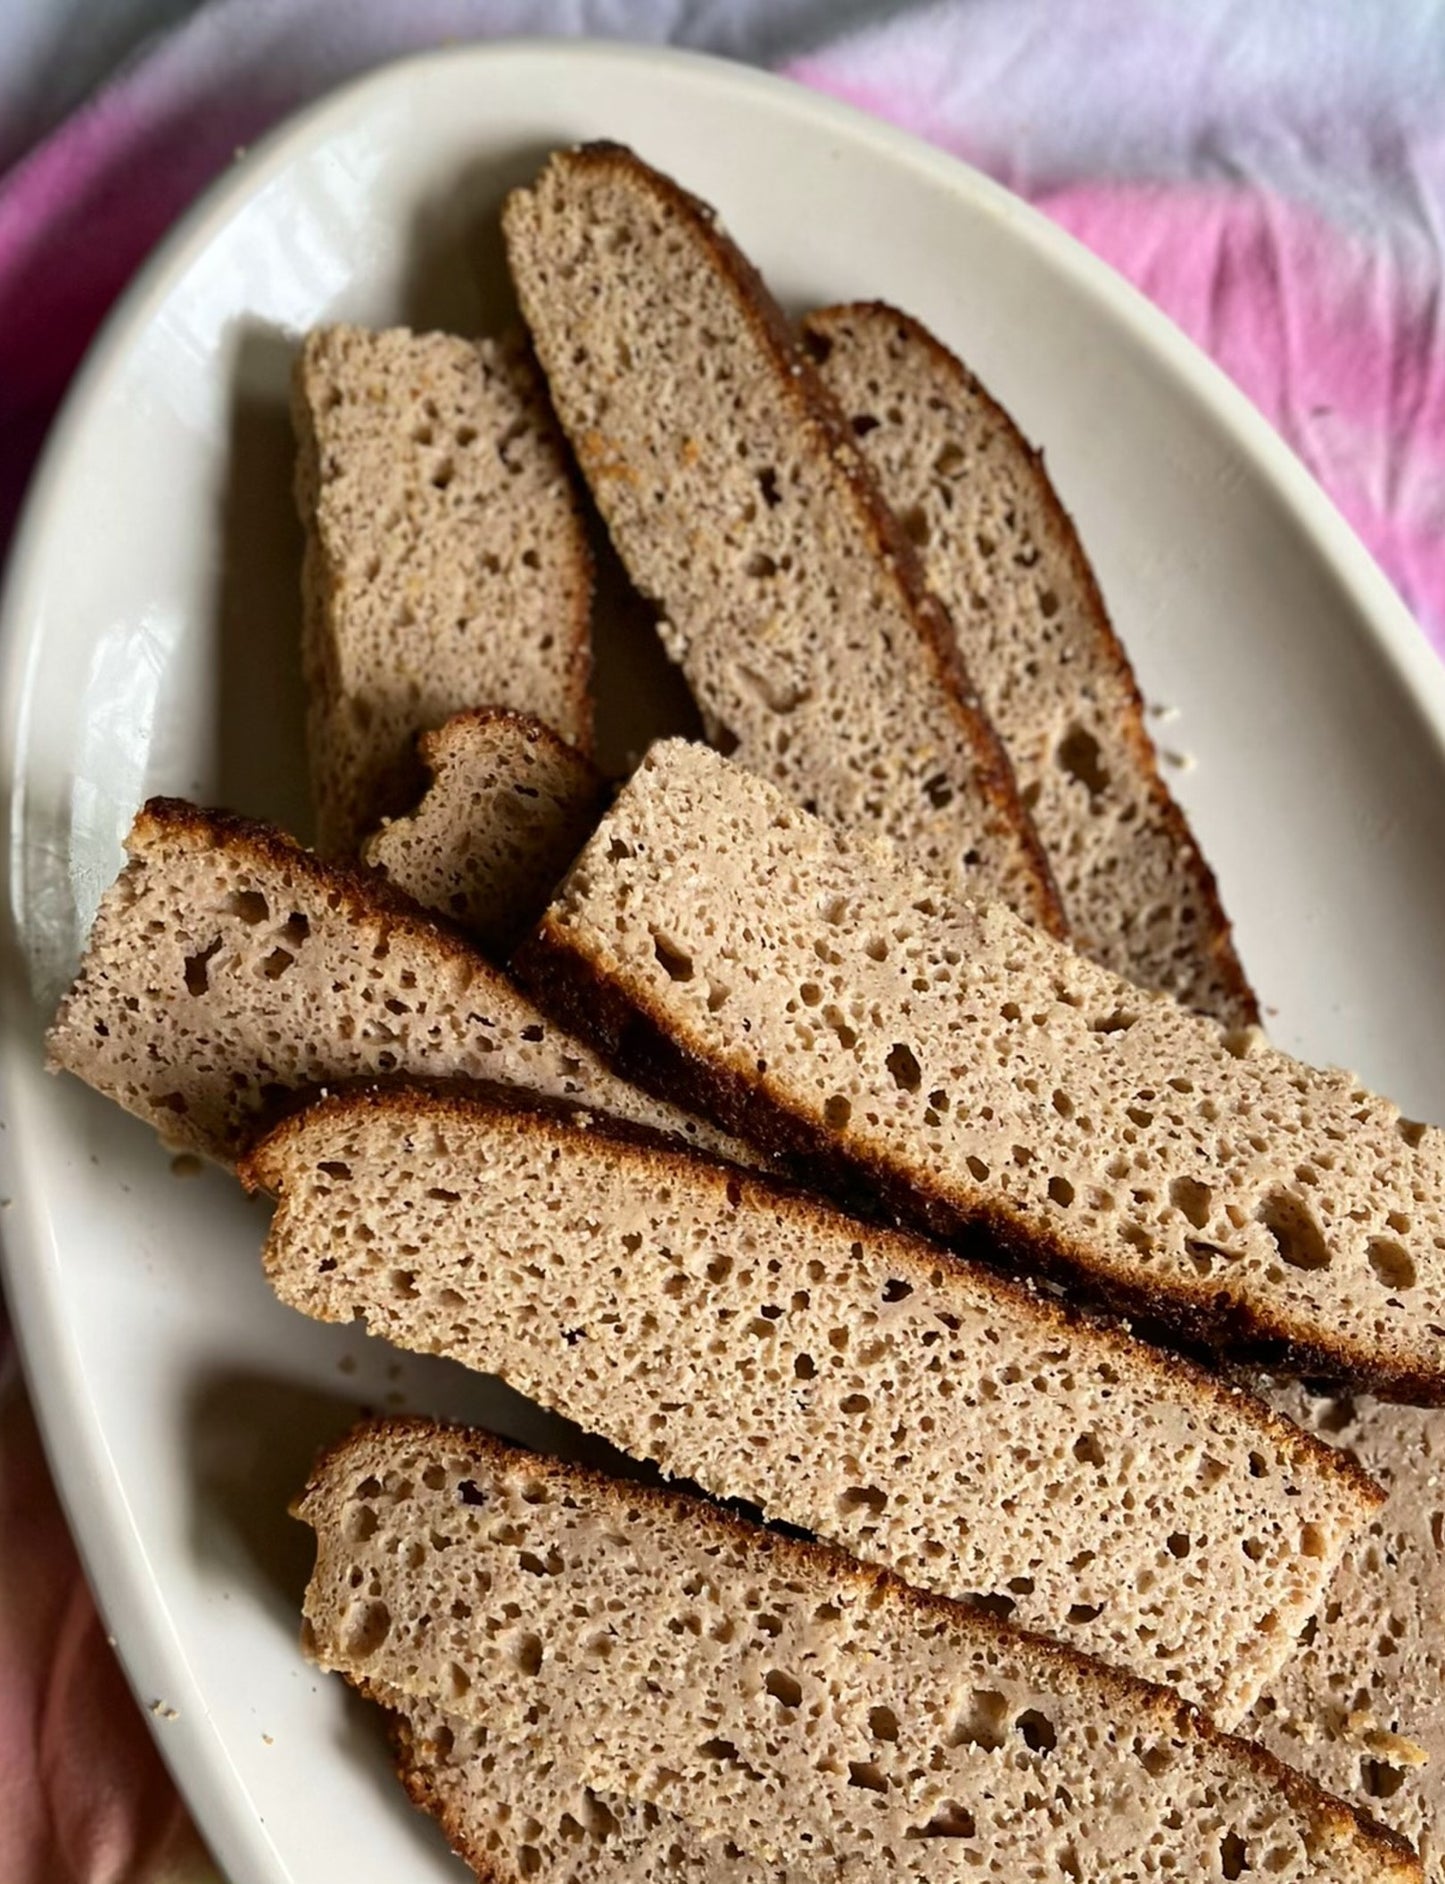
[849, 1380]
[772, 1693]
[736, 954]
[739, 503]
[446, 564]
[228, 971]
[838, 945]
[998, 547]
[509, 806]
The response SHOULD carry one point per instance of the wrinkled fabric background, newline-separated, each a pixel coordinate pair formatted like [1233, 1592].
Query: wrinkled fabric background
[1272, 177]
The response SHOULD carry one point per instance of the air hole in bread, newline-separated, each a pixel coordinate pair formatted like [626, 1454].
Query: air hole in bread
[367, 1629]
[1116, 1022]
[866, 1774]
[915, 525]
[1061, 1191]
[786, 1689]
[527, 1653]
[1296, 1235]
[1038, 1732]
[902, 1064]
[1194, 1199]
[1379, 1779]
[198, 978]
[982, 1723]
[675, 963]
[870, 1498]
[1391, 1264]
[1087, 1449]
[1411, 1130]
[1079, 754]
[950, 1821]
[883, 1724]
[938, 791]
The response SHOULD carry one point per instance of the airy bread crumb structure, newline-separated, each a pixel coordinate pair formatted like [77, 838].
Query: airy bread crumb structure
[861, 1384]
[508, 807]
[1000, 552]
[719, 944]
[776, 1693]
[517, 1813]
[1360, 1705]
[740, 505]
[228, 969]
[446, 561]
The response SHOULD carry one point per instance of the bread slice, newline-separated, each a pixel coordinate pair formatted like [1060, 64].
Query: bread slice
[228, 968]
[739, 504]
[999, 550]
[1361, 1706]
[516, 1813]
[776, 1692]
[446, 564]
[508, 808]
[722, 945]
[926, 1415]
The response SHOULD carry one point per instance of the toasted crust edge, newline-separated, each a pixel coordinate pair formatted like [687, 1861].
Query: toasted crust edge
[412, 1758]
[1161, 1707]
[643, 1045]
[1222, 953]
[654, 1156]
[800, 385]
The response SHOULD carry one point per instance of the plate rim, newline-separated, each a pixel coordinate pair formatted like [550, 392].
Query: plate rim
[140, 1625]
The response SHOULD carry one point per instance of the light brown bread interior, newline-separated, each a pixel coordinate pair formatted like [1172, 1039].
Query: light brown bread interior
[446, 563]
[719, 942]
[860, 1384]
[508, 806]
[515, 1813]
[1361, 1705]
[775, 1693]
[740, 505]
[228, 969]
[1001, 553]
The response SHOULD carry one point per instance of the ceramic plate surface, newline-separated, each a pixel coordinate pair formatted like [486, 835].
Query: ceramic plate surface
[150, 645]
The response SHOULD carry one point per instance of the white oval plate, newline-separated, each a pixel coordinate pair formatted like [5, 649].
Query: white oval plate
[149, 645]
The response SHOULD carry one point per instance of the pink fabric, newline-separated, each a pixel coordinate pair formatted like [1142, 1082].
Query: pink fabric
[1276, 191]
[84, 1798]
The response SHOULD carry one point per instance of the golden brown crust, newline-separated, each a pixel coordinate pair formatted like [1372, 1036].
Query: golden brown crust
[1243, 1006]
[662, 1161]
[414, 1759]
[819, 413]
[645, 1046]
[361, 894]
[1125, 1697]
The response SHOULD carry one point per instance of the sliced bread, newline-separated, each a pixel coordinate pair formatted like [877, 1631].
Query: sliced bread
[228, 968]
[740, 505]
[926, 1415]
[776, 1692]
[1361, 1706]
[508, 808]
[446, 564]
[517, 1813]
[1001, 553]
[723, 945]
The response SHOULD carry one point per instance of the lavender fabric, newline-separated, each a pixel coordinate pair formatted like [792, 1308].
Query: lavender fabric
[1274, 178]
